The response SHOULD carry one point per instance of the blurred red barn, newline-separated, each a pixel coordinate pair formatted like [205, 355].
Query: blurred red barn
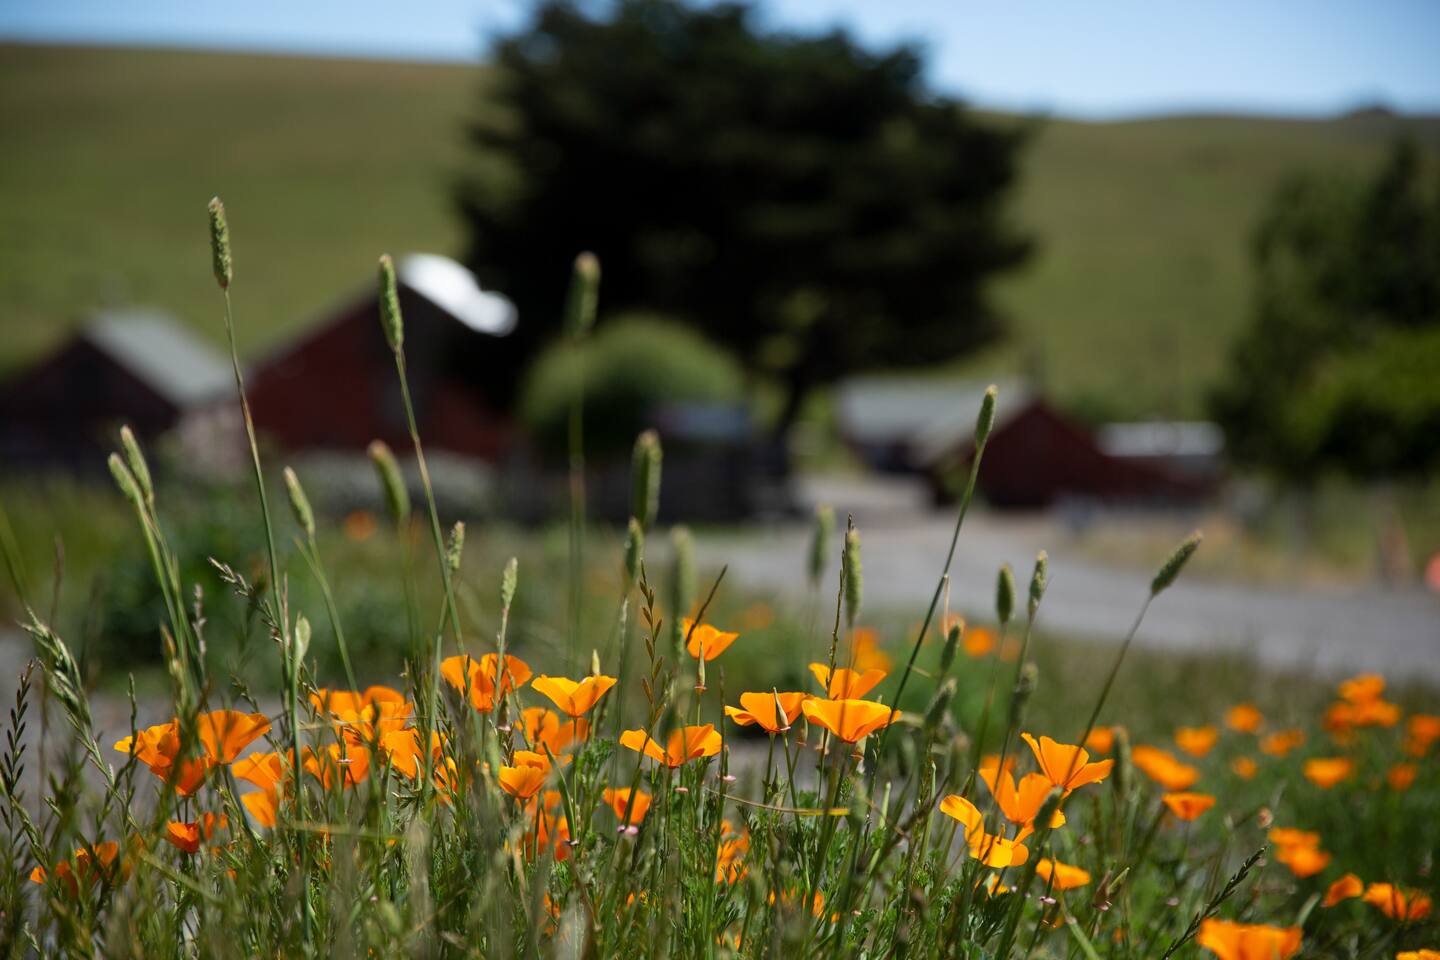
[334, 387]
[1035, 456]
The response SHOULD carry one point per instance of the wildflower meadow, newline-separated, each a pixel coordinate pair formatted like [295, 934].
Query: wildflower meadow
[617, 799]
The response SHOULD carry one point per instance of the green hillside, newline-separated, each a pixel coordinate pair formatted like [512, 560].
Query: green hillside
[110, 156]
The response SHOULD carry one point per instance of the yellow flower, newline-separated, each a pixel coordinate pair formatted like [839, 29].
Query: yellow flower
[478, 677]
[575, 699]
[760, 709]
[86, 870]
[865, 653]
[1362, 688]
[1197, 741]
[1282, 742]
[525, 780]
[1418, 955]
[544, 728]
[1188, 806]
[978, 641]
[850, 720]
[1066, 766]
[340, 764]
[1245, 941]
[263, 805]
[683, 745]
[1326, 772]
[1020, 803]
[1244, 718]
[845, 684]
[1162, 767]
[1065, 876]
[1101, 739]
[703, 637]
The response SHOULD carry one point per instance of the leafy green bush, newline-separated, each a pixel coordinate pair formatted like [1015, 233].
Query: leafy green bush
[629, 368]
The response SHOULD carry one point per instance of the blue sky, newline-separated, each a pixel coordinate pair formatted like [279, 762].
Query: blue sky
[1077, 57]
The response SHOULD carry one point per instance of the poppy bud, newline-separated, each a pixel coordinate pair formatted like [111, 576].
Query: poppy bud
[1005, 594]
[854, 575]
[952, 643]
[508, 581]
[390, 319]
[940, 704]
[959, 753]
[299, 503]
[824, 533]
[455, 547]
[220, 244]
[645, 478]
[125, 479]
[1025, 685]
[397, 496]
[584, 291]
[1172, 567]
[1038, 580]
[302, 639]
[138, 467]
[682, 583]
[986, 419]
[634, 551]
[594, 663]
[1120, 774]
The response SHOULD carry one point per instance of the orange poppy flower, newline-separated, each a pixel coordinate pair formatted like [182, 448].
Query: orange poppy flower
[1244, 767]
[1244, 718]
[224, 733]
[1344, 716]
[334, 702]
[544, 728]
[546, 829]
[760, 708]
[1293, 837]
[846, 684]
[1397, 903]
[1197, 741]
[850, 720]
[86, 871]
[1162, 767]
[478, 677]
[865, 652]
[340, 764]
[1362, 688]
[990, 849]
[1020, 803]
[187, 836]
[359, 526]
[403, 751]
[1281, 742]
[1188, 806]
[978, 641]
[683, 745]
[1303, 861]
[1401, 776]
[158, 747]
[1247, 941]
[1101, 739]
[702, 636]
[1326, 772]
[265, 770]
[620, 798]
[1422, 730]
[1343, 889]
[525, 780]
[574, 699]
[1421, 954]
[263, 805]
[1065, 877]
[1067, 766]
[730, 854]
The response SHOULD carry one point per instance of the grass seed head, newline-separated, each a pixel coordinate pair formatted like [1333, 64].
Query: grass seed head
[299, 503]
[634, 550]
[125, 480]
[1038, 580]
[390, 319]
[824, 535]
[1171, 568]
[455, 547]
[138, 467]
[986, 420]
[645, 478]
[1005, 594]
[584, 294]
[854, 575]
[220, 244]
[397, 495]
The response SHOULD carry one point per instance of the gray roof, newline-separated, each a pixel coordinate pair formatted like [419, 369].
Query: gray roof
[163, 353]
[453, 288]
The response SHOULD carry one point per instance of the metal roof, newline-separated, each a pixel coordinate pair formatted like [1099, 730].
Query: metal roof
[455, 290]
[163, 353]
[929, 416]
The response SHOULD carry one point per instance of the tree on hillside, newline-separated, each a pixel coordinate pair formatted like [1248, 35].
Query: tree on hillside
[1338, 370]
[806, 203]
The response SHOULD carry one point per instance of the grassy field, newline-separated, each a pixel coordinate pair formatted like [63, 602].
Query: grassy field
[111, 154]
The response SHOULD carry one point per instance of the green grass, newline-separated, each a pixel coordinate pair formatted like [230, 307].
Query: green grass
[1139, 283]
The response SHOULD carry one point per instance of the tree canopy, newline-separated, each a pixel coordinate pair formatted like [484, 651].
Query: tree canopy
[1340, 367]
[807, 203]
